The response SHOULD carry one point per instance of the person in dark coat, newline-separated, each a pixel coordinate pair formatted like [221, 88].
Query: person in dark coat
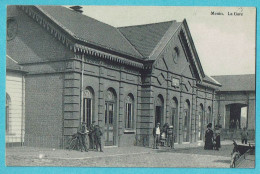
[97, 137]
[82, 137]
[209, 138]
[91, 135]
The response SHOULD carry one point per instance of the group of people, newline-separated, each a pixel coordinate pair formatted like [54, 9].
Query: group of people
[234, 124]
[166, 134]
[212, 139]
[94, 134]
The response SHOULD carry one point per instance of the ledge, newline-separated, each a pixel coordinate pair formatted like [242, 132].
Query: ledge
[129, 131]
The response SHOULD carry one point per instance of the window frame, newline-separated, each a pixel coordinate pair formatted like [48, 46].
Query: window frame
[129, 114]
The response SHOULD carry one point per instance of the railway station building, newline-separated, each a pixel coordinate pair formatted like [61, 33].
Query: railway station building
[76, 69]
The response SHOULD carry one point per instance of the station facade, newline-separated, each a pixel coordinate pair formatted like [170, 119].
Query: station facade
[125, 79]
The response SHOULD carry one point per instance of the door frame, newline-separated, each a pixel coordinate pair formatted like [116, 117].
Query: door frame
[114, 124]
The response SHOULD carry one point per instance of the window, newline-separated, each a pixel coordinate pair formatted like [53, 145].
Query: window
[87, 107]
[175, 55]
[175, 82]
[129, 112]
[7, 112]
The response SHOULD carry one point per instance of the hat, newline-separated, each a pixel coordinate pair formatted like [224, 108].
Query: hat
[209, 125]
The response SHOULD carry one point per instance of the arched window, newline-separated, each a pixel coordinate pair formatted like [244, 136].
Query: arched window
[200, 122]
[174, 116]
[7, 112]
[209, 119]
[129, 112]
[159, 105]
[88, 97]
[186, 121]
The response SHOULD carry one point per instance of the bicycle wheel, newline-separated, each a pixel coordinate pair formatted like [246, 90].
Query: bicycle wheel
[73, 143]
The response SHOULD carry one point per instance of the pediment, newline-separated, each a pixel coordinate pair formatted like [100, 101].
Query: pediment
[180, 56]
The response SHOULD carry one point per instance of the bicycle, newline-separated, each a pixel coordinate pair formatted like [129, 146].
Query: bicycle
[73, 143]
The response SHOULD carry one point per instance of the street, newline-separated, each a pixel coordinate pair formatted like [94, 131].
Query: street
[121, 157]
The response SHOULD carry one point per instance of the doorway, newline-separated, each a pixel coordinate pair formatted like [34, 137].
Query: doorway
[186, 122]
[159, 111]
[200, 124]
[110, 119]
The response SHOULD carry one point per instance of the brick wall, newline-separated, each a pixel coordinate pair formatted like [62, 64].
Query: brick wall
[44, 110]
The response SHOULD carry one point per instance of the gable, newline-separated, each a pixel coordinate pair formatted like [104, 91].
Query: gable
[179, 55]
[174, 59]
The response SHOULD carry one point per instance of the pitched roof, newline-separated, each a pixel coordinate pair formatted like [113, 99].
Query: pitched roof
[236, 82]
[146, 37]
[89, 30]
[211, 80]
[12, 65]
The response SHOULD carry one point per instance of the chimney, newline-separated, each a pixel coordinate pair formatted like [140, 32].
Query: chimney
[77, 9]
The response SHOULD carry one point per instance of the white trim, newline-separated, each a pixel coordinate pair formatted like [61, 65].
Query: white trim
[185, 142]
[11, 58]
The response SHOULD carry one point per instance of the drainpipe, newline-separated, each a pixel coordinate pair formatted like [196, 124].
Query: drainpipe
[82, 85]
[23, 110]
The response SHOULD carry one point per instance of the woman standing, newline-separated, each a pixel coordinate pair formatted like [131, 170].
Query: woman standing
[209, 138]
[217, 139]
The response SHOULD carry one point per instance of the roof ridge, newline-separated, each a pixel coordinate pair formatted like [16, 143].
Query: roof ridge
[131, 51]
[79, 14]
[161, 40]
[232, 75]
[117, 29]
[129, 26]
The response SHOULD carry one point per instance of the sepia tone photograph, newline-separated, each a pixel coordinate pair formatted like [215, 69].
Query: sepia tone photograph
[130, 86]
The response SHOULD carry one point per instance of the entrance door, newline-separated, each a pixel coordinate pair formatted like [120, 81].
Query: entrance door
[186, 122]
[200, 123]
[158, 115]
[175, 122]
[109, 124]
[185, 126]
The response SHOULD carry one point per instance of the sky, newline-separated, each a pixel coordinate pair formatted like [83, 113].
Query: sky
[225, 43]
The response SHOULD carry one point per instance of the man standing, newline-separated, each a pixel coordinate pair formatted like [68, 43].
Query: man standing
[156, 135]
[97, 137]
[244, 135]
[170, 138]
[82, 137]
[91, 135]
[237, 124]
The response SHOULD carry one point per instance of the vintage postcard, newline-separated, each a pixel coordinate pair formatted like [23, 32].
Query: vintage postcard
[130, 86]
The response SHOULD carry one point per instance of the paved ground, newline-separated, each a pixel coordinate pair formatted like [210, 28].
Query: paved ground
[187, 155]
